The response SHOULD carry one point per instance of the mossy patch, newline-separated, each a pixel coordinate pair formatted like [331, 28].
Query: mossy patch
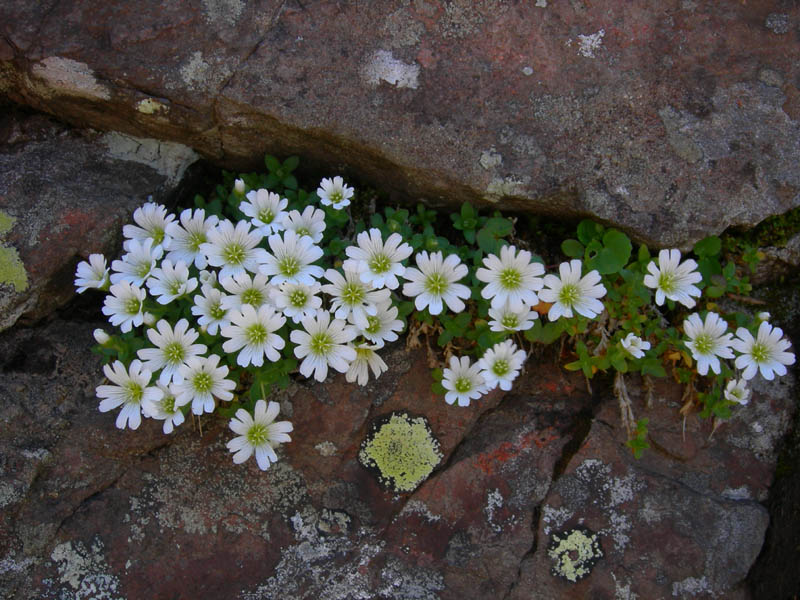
[12, 270]
[574, 553]
[401, 451]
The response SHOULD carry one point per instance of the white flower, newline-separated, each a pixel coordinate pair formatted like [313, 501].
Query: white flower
[238, 187]
[737, 391]
[351, 296]
[672, 279]
[500, 365]
[265, 210]
[253, 335]
[131, 389]
[164, 409]
[381, 327]
[138, 264]
[244, 289]
[173, 347]
[511, 278]
[258, 434]
[572, 291]
[708, 341]
[767, 352]
[634, 345]
[505, 319]
[152, 220]
[366, 359]
[334, 193]
[763, 316]
[296, 300]
[378, 263]
[92, 274]
[123, 305]
[208, 306]
[187, 237]
[202, 381]
[234, 249]
[291, 259]
[207, 277]
[311, 223]
[169, 281]
[323, 343]
[434, 283]
[101, 337]
[463, 381]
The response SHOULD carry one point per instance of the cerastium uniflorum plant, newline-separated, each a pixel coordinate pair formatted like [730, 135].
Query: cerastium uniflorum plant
[215, 306]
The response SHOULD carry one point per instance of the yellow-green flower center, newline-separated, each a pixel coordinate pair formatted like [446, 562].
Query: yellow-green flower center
[336, 196]
[569, 294]
[320, 344]
[143, 269]
[133, 306]
[510, 278]
[195, 239]
[174, 352]
[158, 235]
[373, 325]
[666, 282]
[436, 284]
[234, 254]
[462, 385]
[202, 382]
[510, 321]
[168, 405]
[253, 296]
[133, 392]
[266, 216]
[256, 334]
[704, 344]
[298, 298]
[303, 231]
[258, 434]
[289, 266]
[500, 367]
[760, 353]
[174, 287]
[380, 263]
[216, 311]
[352, 294]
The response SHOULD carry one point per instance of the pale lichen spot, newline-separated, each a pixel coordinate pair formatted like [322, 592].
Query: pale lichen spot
[541, 3]
[401, 451]
[12, 269]
[589, 44]
[326, 448]
[383, 66]
[501, 187]
[150, 106]
[490, 159]
[58, 76]
[574, 553]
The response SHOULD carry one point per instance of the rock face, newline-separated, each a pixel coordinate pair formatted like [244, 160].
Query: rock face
[91, 511]
[672, 120]
[65, 195]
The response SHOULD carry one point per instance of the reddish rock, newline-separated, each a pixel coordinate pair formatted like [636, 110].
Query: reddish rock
[672, 121]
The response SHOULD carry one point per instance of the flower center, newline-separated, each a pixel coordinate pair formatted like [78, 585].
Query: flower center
[266, 216]
[233, 254]
[168, 405]
[256, 334]
[364, 354]
[320, 344]
[133, 392]
[666, 281]
[133, 306]
[303, 231]
[257, 435]
[194, 241]
[289, 266]
[510, 278]
[463, 385]
[704, 344]
[253, 297]
[352, 294]
[202, 382]
[373, 325]
[174, 352]
[336, 196]
[436, 284]
[510, 321]
[216, 311]
[175, 287]
[568, 294]
[298, 298]
[760, 353]
[500, 367]
[143, 269]
[380, 263]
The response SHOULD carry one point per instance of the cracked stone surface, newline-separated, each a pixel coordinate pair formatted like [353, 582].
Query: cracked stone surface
[65, 194]
[87, 510]
[672, 120]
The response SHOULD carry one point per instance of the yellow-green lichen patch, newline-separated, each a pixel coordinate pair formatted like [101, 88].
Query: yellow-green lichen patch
[574, 553]
[401, 451]
[149, 106]
[12, 270]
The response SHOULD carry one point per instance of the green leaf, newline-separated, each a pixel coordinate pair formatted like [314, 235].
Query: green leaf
[572, 248]
[653, 366]
[643, 254]
[619, 244]
[273, 164]
[709, 246]
[588, 230]
[290, 164]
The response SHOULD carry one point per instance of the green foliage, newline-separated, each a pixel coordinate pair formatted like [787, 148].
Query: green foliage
[638, 442]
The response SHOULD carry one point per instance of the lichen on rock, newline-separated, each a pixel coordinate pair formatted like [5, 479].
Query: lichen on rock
[401, 450]
[574, 553]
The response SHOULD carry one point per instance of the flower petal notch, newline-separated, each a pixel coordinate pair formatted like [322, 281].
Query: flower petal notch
[401, 451]
[574, 553]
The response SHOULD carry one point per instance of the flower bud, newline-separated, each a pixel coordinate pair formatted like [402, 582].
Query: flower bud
[238, 187]
[101, 337]
[763, 316]
[149, 319]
